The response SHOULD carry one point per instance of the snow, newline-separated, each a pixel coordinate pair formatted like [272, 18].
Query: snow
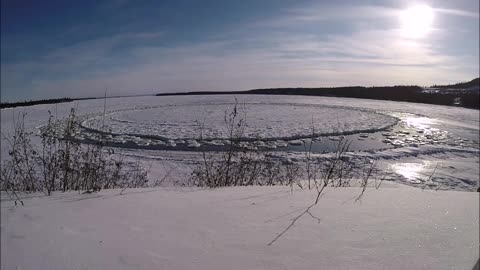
[394, 227]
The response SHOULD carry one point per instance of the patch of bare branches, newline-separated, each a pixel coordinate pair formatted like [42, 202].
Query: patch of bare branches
[238, 165]
[61, 163]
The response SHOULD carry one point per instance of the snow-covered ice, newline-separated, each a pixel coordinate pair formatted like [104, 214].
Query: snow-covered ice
[264, 120]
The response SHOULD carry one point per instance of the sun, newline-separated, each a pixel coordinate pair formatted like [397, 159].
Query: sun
[417, 21]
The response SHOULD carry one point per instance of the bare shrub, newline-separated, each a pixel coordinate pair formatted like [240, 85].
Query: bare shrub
[311, 167]
[135, 176]
[237, 165]
[62, 163]
[20, 168]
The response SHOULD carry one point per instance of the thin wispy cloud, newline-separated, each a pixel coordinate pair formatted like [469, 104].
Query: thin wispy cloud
[333, 13]
[458, 12]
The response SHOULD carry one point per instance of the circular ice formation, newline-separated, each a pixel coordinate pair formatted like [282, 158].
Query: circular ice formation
[263, 121]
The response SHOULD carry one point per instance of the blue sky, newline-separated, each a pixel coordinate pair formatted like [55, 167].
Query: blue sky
[78, 48]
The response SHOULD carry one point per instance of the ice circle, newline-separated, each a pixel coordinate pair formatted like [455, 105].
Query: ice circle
[263, 121]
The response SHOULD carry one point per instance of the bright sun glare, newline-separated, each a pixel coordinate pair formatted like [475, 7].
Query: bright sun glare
[417, 21]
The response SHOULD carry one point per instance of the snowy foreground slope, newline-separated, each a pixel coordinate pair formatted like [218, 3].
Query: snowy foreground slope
[394, 227]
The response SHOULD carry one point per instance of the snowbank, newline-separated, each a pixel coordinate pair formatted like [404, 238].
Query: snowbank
[395, 227]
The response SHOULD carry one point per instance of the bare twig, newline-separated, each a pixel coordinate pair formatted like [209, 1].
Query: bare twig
[292, 223]
[430, 177]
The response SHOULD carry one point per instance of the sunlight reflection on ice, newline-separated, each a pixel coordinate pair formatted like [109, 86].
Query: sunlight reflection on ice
[411, 171]
[418, 122]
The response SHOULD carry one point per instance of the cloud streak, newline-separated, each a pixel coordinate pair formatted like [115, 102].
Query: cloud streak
[458, 12]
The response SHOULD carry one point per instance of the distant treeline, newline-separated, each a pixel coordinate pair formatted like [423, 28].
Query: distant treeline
[395, 93]
[37, 102]
[468, 99]
[53, 101]
[465, 85]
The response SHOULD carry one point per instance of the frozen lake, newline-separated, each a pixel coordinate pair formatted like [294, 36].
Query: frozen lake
[408, 139]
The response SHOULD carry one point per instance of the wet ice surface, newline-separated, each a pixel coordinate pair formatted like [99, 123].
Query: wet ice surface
[410, 140]
[436, 172]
